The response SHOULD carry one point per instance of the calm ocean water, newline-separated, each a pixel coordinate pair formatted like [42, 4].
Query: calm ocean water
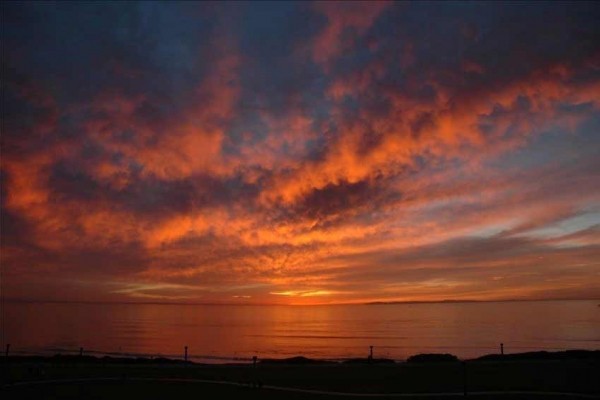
[224, 333]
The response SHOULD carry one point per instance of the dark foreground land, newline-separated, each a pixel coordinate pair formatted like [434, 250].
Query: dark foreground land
[549, 375]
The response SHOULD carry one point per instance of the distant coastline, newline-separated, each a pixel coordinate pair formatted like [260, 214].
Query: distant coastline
[368, 303]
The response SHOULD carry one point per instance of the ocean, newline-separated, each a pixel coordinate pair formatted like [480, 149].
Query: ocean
[226, 333]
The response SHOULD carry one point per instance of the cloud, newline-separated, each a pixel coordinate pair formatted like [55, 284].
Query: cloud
[347, 152]
[345, 23]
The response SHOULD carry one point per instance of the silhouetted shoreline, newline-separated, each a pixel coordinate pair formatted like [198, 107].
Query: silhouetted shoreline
[301, 360]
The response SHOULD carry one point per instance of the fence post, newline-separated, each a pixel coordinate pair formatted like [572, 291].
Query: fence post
[185, 356]
[502, 348]
[464, 377]
[7, 349]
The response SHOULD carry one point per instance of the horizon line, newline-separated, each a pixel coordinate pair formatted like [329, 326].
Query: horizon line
[368, 303]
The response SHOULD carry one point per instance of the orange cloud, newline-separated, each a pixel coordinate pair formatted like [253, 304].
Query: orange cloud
[375, 166]
[357, 16]
[454, 131]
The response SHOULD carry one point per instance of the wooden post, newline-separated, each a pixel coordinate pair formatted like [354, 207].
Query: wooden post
[502, 348]
[185, 354]
[464, 377]
[371, 353]
[7, 350]
[255, 380]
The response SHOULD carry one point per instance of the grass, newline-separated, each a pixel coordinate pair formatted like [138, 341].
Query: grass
[576, 375]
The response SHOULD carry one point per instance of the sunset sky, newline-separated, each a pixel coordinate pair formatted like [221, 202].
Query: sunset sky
[300, 153]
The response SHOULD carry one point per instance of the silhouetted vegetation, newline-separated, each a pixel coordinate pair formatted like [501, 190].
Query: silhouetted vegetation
[369, 361]
[69, 359]
[544, 355]
[294, 360]
[300, 360]
[432, 358]
[572, 371]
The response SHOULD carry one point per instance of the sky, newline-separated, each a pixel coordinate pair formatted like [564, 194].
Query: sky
[300, 152]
